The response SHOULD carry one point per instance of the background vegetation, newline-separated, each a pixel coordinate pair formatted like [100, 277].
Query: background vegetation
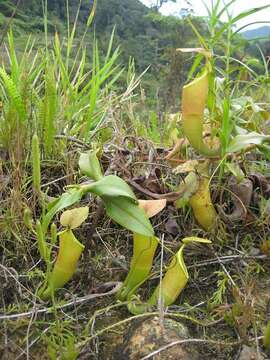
[143, 34]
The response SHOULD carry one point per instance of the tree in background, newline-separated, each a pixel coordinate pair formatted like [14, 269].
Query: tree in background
[157, 4]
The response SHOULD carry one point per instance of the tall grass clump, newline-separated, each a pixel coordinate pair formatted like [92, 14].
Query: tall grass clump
[55, 92]
[58, 88]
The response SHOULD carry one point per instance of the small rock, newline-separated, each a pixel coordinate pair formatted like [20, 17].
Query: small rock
[146, 336]
[254, 251]
[249, 353]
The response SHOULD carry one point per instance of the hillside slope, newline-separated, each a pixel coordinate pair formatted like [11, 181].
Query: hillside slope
[260, 32]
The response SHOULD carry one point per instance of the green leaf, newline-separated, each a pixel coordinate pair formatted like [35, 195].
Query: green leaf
[65, 200]
[266, 337]
[127, 214]
[236, 171]
[242, 141]
[265, 150]
[248, 13]
[90, 166]
[92, 13]
[41, 242]
[111, 186]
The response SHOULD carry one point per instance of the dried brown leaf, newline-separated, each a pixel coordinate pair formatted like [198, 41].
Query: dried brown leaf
[152, 207]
